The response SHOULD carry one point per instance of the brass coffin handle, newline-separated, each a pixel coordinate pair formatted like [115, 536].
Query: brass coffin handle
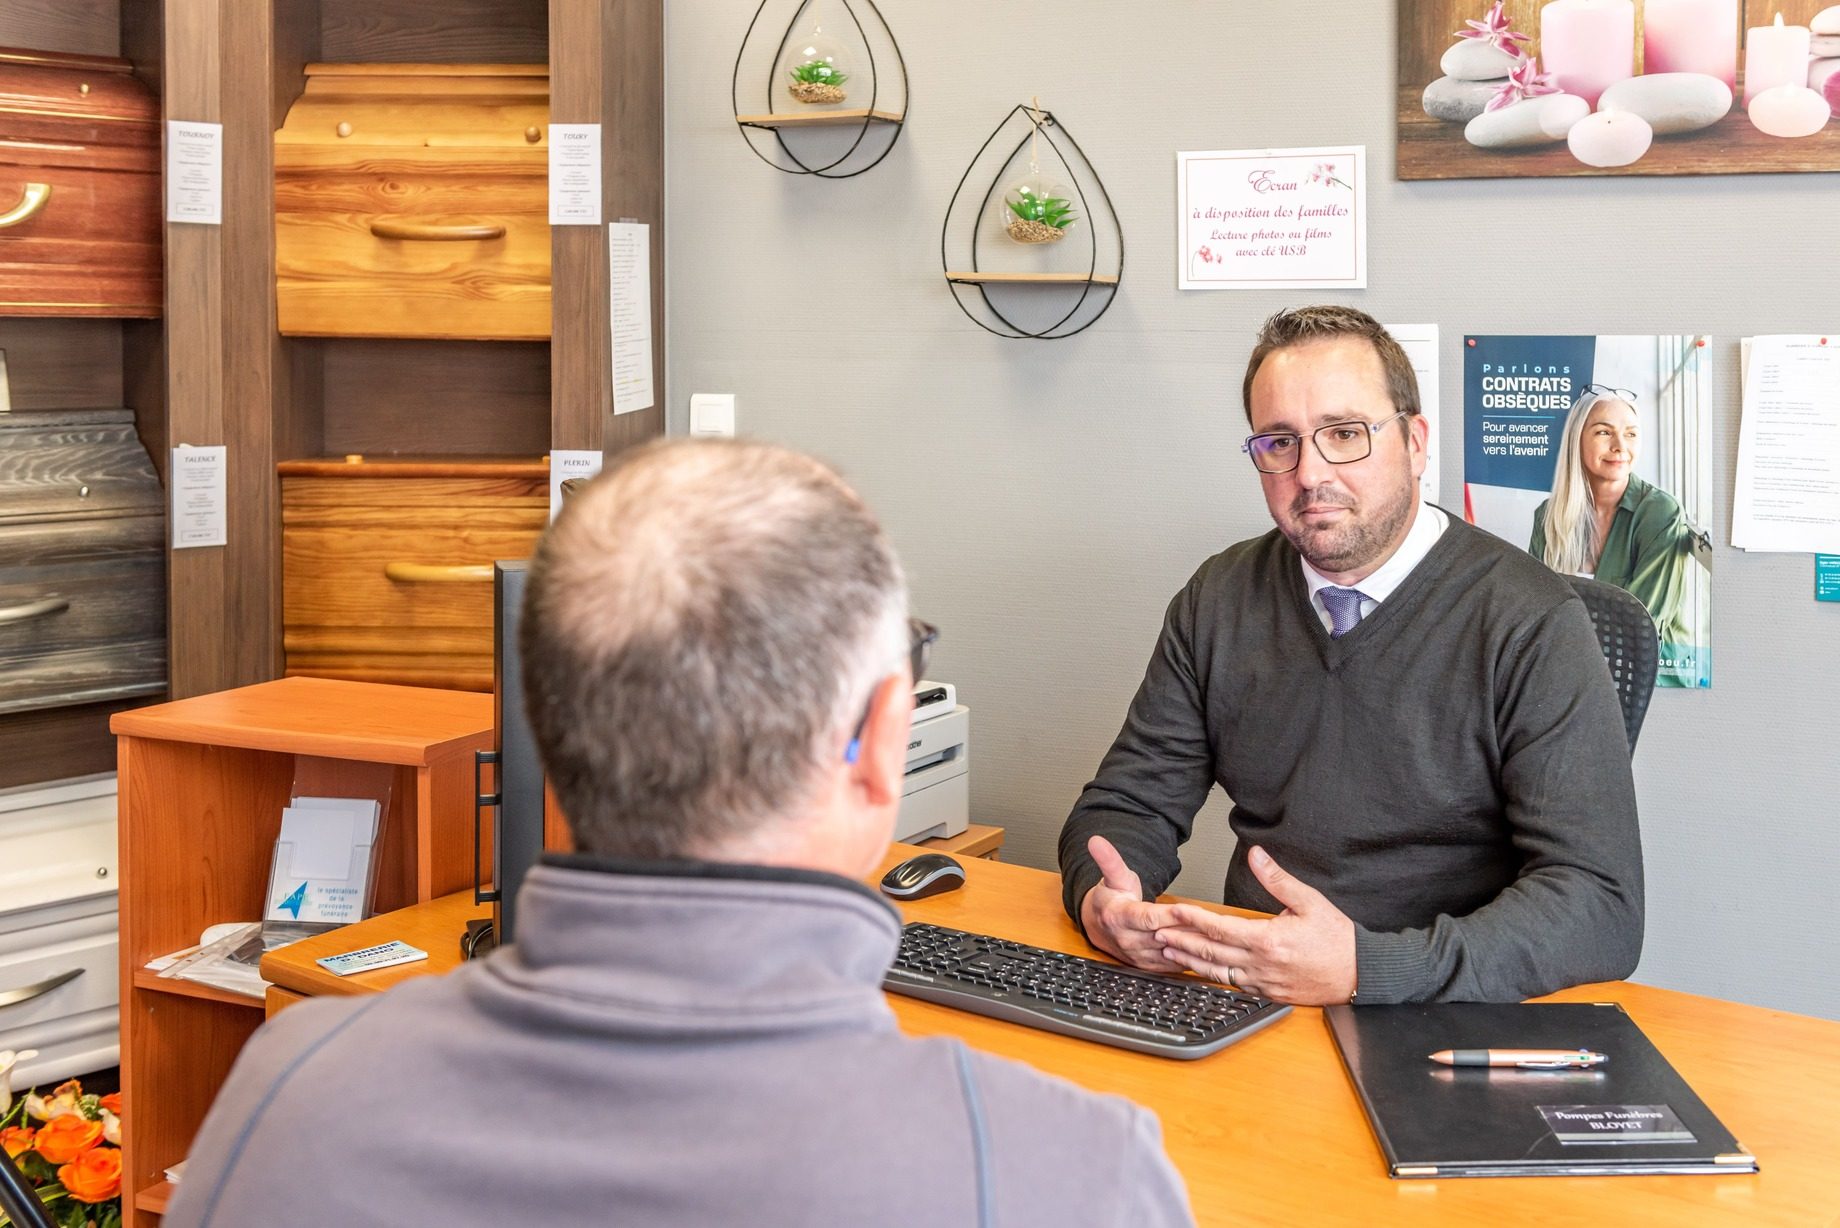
[438, 573]
[25, 993]
[32, 609]
[387, 228]
[31, 200]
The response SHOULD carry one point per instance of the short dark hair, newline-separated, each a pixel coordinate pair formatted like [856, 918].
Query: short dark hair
[1301, 325]
[701, 625]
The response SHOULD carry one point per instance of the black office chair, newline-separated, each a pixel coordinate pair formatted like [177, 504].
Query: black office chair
[18, 1199]
[1631, 648]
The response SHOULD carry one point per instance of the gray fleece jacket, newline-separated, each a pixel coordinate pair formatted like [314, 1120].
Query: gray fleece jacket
[667, 1044]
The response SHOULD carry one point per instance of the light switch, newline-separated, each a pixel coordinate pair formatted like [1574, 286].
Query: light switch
[712, 413]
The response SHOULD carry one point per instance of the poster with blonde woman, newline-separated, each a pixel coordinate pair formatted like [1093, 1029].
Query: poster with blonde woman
[1594, 453]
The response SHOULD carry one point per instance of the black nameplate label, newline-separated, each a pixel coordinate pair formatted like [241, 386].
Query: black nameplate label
[1615, 1123]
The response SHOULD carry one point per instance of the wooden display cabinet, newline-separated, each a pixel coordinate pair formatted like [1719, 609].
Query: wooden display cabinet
[203, 783]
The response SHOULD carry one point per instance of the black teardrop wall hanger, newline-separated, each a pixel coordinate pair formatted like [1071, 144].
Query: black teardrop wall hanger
[1036, 212]
[809, 84]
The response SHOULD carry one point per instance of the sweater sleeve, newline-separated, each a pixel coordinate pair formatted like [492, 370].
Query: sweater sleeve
[1658, 558]
[1156, 775]
[1574, 913]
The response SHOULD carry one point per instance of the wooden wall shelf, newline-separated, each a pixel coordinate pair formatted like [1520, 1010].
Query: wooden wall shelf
[1032, 279]
[820, 119]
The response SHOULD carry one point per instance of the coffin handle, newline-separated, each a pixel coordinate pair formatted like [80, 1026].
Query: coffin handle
[32, 609]
[438, 573]
[25, 993]
[31, 200]
[394, 228]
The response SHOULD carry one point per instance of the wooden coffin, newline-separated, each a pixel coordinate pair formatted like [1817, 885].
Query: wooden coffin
[411, 200]
[82, 560]
[387, 565]
[79, 187]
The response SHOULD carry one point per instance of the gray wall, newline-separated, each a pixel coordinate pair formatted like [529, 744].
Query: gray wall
[1049, 497]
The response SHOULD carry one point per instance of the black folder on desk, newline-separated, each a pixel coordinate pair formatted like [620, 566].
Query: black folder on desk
[1466, 1121]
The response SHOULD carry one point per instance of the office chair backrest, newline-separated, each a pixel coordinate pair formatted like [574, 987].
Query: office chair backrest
[1631, 647]
[18, 1199]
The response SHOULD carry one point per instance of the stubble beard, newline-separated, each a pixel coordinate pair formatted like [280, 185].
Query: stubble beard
[1357, 540]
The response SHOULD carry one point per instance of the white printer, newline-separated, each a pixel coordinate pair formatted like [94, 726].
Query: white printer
[936, 793]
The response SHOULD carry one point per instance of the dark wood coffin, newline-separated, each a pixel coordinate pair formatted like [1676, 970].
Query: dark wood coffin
[412, 200]
[80, 214]
[82, 560]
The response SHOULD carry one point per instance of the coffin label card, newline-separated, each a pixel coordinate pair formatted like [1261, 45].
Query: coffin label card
[194, 172]
[199, 503]
[574, 174]
[1272, 219]
[566, 463]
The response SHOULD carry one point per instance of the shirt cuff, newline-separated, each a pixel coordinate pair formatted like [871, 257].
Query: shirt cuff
[1082, 879]
[1390, 967]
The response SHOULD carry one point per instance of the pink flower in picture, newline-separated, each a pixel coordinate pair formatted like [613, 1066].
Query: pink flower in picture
[1325, 173]
[1524, 81]
[1495, 31]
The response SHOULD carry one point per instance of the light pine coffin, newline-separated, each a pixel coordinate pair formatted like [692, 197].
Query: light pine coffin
[387, 565]
[411, 200]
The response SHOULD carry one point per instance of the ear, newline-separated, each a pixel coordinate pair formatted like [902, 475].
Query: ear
[1418, 443]
[881, 759]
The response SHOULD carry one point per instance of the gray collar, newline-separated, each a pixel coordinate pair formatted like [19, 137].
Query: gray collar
[699, 947]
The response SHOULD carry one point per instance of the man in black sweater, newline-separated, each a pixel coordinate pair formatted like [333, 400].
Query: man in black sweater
[1427, 762]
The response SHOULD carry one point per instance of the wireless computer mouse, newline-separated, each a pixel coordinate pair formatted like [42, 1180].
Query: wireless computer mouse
[918, 877]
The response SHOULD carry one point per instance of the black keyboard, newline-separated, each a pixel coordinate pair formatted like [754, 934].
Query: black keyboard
[1169, 1016]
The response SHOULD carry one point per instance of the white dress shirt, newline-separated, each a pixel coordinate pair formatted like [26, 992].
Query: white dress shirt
[1427, 527]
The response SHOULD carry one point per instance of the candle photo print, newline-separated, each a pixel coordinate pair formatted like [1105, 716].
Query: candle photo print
[1594, 454]
[1515, 88]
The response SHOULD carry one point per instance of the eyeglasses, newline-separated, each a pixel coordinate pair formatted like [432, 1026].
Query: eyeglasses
[921, 638]
[1605, 390]
[1339, 443]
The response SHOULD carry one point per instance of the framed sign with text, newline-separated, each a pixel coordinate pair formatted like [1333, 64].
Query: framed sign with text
[1272, 219]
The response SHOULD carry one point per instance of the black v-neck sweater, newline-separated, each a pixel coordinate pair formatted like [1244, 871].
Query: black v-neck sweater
[1453, 773]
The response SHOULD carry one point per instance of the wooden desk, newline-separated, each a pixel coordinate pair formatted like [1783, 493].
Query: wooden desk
[1269, 1131]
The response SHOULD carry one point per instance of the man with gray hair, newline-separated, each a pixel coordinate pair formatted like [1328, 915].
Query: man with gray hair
[690, 1029]
[1429, 772]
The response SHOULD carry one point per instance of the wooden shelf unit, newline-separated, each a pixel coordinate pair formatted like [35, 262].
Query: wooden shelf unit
[216, 370]
[203, 784]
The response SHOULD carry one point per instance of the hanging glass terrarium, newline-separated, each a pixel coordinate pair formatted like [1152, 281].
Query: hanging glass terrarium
[816, 69]
[1036, 209]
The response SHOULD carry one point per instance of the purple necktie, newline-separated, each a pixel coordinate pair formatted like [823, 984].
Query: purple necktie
[1344, 606]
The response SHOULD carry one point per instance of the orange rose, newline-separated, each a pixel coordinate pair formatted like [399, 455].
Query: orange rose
[17, 1140]
[111, 1102]
[94, 1176]
[63, 1139]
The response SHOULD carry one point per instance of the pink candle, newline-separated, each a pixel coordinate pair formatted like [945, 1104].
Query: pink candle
[1588, 45]
[1691, 36]
[1774, 55]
